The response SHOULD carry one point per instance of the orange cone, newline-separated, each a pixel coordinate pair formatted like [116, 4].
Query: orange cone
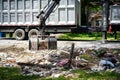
[110, 29]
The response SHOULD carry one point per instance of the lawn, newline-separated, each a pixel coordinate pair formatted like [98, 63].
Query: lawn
[88, 36]
[14, 74]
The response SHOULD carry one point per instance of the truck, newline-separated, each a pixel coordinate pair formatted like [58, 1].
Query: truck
[19, 17]
[114, 19]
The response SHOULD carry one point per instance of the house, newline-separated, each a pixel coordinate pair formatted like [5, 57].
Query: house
[95, 20]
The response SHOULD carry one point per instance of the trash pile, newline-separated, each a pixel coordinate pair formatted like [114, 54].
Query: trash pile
[52, 62]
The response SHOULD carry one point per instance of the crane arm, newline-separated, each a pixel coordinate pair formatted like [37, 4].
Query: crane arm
[45, 13]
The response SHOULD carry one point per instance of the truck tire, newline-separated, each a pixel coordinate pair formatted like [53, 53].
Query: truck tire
[33, 32]
[19, 34]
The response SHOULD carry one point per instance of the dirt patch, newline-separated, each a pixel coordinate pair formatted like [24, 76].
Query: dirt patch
[12, 49]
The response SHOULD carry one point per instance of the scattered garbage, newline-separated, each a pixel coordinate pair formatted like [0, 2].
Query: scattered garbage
[51, 62]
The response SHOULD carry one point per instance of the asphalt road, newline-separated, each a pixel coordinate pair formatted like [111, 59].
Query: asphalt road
[82, 44]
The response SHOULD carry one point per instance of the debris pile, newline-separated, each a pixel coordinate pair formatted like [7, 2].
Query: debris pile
[51, 62]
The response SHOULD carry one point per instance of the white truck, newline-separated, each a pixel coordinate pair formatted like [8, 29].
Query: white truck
[19, 17]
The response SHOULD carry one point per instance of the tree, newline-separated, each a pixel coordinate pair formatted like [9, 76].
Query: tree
[87, 7]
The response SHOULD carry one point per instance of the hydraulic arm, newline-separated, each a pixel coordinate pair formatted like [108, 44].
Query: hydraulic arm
[45, 13]
[42, 41]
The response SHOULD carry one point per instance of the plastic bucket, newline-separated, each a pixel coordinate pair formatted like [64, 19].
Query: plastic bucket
[2, 34]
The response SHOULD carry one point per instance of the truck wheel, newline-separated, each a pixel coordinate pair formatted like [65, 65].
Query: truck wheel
[19, 34]
[33, 32]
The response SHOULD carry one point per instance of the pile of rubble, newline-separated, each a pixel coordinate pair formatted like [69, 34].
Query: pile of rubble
[47, 62]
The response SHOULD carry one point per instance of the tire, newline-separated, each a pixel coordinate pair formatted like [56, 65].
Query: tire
[19, 34]
[33, 32]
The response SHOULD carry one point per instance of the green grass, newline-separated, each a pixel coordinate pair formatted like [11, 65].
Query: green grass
[87, 57]
[8, 35]
[14, 74]
[103, 75]
[88, 36]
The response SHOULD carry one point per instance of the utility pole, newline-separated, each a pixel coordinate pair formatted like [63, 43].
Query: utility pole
[105, 15]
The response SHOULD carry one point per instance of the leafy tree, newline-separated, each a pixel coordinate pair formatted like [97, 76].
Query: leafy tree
[87, 7]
